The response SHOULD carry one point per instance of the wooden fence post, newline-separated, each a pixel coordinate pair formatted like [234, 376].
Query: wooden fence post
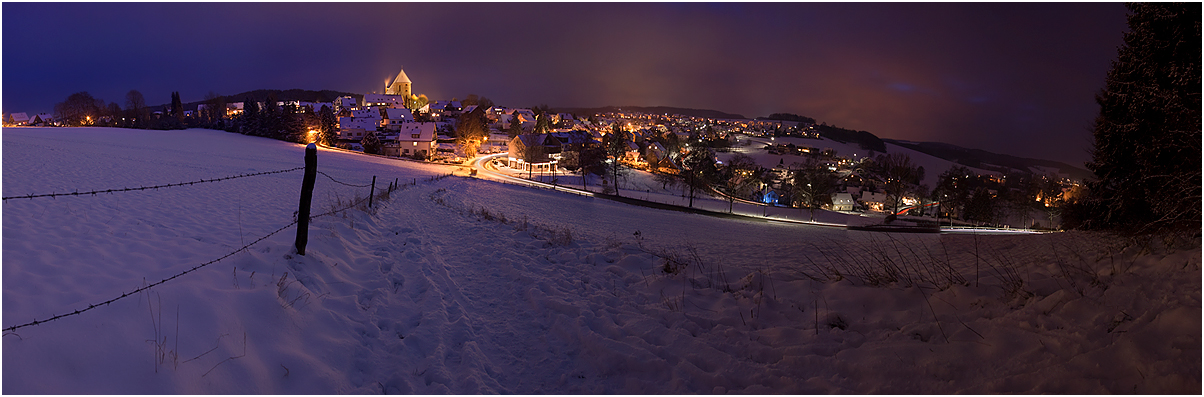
[307, 195]
[372, 192]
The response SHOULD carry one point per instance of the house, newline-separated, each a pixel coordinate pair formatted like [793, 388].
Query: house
[874, 200]
[345, 102]
[356, 128]
[842, 202]
[632, 154]
[234, 109]
[385, 101]
[395, 117]
[17, 119]
[41, 119]
[412, 139]
[544, 158]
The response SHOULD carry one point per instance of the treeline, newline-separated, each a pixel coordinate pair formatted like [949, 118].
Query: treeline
[267, 118]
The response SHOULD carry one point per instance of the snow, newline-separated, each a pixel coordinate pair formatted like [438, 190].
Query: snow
[433, 292]
[755, 148]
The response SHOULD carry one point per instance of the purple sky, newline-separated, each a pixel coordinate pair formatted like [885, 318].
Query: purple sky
[1009, 78]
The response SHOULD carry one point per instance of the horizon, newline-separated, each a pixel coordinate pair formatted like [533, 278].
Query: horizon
[1022, 77]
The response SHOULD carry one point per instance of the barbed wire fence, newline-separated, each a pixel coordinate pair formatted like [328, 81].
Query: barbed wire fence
[356, 203]
[156, 187]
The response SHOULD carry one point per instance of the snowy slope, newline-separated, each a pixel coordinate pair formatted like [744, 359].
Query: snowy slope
[467, 286]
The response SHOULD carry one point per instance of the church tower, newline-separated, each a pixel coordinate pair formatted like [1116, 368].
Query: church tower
[400, 85]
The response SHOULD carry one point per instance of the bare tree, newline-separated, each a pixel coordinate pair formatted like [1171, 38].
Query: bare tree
[135, 108]
[79, 109]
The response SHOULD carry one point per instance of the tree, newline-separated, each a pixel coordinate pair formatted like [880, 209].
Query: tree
[813, 185]
[953, 190]
[135, 107]
[413, 102]
[516, 126]
[699, 167]
[371, 143]
[78, 109]
[291, 127]
[177, 107]
[472, 130]
[616, 146]
[327, 126]
[593, 161]
[981, 207]
[269, 118]
[543, 124]
[740, 176]
[250, 117]
[1147, 136]
[1050, 193]
[215, 109]
[898, 176]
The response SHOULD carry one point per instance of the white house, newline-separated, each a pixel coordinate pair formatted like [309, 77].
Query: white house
[387, 101]
[875, 201]
[356, 128]
[18, 118]
[842, 202]
[345, 102]
[413, 138]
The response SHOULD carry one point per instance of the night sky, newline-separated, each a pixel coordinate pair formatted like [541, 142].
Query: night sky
[1010, 78]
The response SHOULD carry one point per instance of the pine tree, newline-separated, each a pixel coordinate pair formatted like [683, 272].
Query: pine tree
[516, 126]
[1147, 134]
[250, 118]
[177, 107]
[327, 125]
[291, 128]
[371, 143]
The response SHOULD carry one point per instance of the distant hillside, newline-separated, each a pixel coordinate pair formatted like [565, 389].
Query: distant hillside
[979, 158]
[281, 95]
[862, 138]
[714, 114]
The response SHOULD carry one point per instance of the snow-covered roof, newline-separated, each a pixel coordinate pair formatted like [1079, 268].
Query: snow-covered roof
[365, 123]
[395, 114]
[424, 131]
[401, 77]
[20, 117]
[369, 113]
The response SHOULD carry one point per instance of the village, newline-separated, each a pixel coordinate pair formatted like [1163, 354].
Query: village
[773, 163]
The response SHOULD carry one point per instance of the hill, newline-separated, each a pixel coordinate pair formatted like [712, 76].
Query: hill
[979, 158]
[294, 94]
[465, 286]
[714, 114]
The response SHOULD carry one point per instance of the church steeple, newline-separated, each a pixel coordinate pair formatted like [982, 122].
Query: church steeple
[400, 85]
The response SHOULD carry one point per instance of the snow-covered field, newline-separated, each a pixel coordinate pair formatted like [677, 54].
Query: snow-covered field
[468, 286]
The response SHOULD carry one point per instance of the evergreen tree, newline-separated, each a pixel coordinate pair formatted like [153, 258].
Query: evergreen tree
[1147, 135]
[269, 118]
[371, 143]
[327, 126]
[516, 126]
[543, 123]
[177, 107]
[250, 118]
[291, 127]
